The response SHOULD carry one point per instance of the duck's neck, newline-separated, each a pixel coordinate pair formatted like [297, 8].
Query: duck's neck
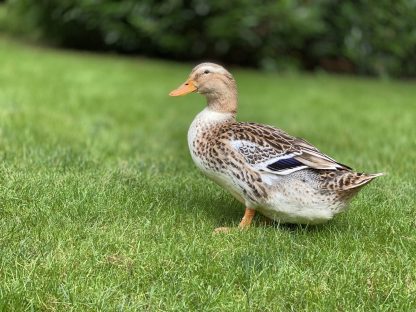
[223, 102]
[209, 118]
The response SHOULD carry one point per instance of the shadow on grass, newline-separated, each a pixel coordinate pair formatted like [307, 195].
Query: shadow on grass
[293, 228]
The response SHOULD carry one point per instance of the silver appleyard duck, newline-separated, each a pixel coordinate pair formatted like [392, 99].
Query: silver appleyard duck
[283, 177]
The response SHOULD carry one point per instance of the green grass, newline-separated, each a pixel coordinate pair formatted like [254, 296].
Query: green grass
[101, 207]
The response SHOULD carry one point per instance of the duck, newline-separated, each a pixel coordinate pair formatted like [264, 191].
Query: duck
[283, 177]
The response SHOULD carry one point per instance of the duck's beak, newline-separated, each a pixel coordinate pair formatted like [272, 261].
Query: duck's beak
[187, 87]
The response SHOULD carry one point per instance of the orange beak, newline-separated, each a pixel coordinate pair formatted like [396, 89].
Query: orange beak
[187, 87]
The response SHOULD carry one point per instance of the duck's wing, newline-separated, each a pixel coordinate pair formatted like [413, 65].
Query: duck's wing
[272, 150]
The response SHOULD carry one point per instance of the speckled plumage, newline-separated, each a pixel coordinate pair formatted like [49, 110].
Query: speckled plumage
[283, 177]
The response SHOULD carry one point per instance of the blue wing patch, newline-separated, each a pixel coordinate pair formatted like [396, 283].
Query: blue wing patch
[282, 164]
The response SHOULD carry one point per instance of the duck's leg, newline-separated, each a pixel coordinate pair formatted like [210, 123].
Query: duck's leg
[248, 217]
[244, 223]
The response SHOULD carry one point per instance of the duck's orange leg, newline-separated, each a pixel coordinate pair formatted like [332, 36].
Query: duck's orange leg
[244, 223]
[248, 217]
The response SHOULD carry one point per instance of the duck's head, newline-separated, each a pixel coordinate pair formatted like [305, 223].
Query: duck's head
[215, 83]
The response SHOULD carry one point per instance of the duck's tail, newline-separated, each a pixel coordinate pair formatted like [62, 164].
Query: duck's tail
[345, 180]
[360, 179]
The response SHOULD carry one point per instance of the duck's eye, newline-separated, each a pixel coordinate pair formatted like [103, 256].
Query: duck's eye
[206, 71]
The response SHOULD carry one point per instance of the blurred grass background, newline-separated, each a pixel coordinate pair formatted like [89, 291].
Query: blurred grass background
[102, 209]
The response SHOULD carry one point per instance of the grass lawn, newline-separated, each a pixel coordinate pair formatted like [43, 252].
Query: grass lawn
[101, 207]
